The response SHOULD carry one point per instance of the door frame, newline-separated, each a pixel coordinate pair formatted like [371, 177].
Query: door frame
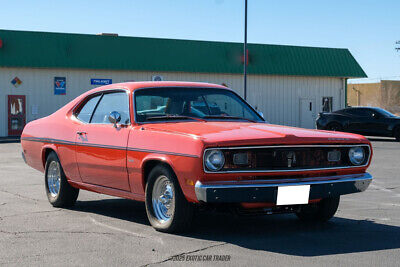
[312, 99]
[11, 132]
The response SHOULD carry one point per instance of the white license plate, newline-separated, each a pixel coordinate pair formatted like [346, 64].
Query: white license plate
[293, 195]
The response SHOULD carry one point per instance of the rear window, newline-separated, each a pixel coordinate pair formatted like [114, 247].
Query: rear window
[85, 113]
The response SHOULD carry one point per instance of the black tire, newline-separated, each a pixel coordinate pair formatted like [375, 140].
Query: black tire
[320, 212]
[396, 133]
[67, 195]
[334, 126]
[181, 215]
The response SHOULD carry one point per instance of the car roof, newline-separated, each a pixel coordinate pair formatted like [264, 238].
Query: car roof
[132, 86]
[360, 107]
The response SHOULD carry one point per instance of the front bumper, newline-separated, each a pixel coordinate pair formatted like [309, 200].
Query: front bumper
[266, 191]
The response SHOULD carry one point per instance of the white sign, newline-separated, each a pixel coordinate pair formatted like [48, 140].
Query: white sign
[35, 109]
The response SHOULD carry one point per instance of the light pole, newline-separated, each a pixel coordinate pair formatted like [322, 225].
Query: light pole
[245, 50]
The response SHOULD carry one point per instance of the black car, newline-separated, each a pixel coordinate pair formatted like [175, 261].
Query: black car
[361, 120]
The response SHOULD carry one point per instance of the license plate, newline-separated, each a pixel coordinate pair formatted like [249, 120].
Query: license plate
[293, 195]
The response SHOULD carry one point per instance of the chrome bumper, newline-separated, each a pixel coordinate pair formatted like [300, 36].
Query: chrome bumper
[266, 190]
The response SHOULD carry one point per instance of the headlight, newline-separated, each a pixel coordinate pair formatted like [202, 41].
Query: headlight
[214, 159]
[356, 155]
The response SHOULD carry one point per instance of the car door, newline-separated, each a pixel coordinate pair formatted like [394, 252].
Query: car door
[357, 121]
[100, 146]
[376, 124]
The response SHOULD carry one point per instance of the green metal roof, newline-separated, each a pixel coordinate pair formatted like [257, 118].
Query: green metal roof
[83, 51]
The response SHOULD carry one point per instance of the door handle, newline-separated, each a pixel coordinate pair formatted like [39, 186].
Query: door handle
[80, 133]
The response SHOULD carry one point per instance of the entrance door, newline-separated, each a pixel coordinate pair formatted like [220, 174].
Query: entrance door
[307, 113]
[16, 114]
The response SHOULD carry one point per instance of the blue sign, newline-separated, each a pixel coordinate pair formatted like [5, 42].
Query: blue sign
[60, 85]
[100, 81]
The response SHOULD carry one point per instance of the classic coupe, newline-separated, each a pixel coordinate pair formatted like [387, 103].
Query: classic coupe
[361, 120]
[180, 146]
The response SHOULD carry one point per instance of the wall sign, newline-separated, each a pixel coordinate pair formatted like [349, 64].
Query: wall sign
[60, 85]
[16, 82]
[157, 78]
[100, 81]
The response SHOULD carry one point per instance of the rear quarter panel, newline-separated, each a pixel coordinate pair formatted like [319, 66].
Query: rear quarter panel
[56, 132]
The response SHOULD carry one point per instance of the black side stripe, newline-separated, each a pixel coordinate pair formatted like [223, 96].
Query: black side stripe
[64, 142]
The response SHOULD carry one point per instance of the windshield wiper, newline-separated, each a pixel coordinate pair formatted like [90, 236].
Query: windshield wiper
[173, 117]
[226, 117]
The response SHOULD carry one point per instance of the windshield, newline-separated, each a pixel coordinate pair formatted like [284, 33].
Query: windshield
[385, 112]
[160, 104]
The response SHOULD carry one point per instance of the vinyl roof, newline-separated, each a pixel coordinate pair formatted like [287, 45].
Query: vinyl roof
[84, 51]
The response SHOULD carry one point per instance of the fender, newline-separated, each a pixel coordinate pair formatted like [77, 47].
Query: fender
[157, 157]
[186, 176]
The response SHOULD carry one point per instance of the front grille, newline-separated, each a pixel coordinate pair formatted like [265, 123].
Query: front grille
[293, 158]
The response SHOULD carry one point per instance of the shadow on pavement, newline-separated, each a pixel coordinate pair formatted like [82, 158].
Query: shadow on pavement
[275, 233]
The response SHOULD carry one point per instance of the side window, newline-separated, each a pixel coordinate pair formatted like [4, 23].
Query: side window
[356, 112]
[86, 111]
[112, 102]
[362, 112]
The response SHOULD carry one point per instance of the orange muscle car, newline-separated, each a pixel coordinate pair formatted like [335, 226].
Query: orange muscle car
[178, 146]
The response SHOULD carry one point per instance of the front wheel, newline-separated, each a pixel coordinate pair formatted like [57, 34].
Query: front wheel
[397, 133]
[166, 206]
[321, 211]
[59, 192]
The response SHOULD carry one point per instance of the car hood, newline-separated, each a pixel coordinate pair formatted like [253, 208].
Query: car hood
[243, 133]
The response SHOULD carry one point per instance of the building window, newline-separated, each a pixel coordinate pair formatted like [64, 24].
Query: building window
[327, 103]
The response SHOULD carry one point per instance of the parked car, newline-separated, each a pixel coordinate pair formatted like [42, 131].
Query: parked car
[155, 142]
[361, 120]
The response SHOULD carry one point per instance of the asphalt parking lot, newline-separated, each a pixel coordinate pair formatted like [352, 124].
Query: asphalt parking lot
[102, 230]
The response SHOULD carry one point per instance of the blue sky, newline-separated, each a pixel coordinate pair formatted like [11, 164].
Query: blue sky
[368, 28]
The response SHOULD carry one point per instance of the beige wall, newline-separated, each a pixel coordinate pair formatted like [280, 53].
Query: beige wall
[278, 97]
[385, 94]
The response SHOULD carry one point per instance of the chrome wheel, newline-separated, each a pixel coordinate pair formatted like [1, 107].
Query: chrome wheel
[163, 199]
[54, 178]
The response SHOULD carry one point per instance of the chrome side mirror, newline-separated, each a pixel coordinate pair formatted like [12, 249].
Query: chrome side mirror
[114, 118]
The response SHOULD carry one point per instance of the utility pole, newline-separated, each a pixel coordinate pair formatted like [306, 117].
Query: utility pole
[245, 50]
[398, 47]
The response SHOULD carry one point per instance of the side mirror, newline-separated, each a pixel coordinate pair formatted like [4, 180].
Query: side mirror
[114, 118]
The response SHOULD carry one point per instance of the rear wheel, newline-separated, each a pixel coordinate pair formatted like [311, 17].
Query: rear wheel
[397, 133]
[321, 211]
[166, 206]
[334, 126]
[59, 192]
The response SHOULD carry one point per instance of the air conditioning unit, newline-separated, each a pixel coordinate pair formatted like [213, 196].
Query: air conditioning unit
[157, 78]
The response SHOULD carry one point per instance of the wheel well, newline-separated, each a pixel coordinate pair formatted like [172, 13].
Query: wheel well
[46, 153]
[149, 165]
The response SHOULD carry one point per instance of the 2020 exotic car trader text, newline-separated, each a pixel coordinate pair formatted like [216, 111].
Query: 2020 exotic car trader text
[178, 146]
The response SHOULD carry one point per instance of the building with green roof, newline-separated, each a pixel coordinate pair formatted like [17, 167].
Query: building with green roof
[289, 84]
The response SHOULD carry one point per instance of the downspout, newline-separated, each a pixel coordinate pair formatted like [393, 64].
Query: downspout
[345, 92]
